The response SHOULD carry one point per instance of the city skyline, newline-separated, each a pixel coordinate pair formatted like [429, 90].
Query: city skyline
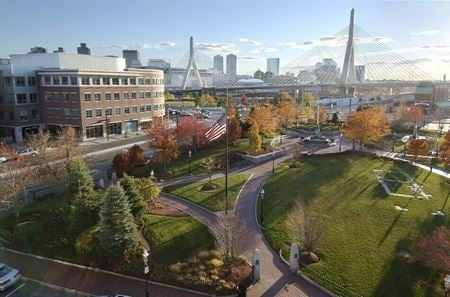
[417, 36]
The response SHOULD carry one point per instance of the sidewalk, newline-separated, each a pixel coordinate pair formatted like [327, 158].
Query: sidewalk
[86, 279]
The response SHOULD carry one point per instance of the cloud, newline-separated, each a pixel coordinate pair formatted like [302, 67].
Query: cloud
[223, 47]
[263, 50]
[435, 46]
[339, 40]
[166, 44]
[250, 58]
[326, 38]
[249, 41]
[425, 32]
[112, 46]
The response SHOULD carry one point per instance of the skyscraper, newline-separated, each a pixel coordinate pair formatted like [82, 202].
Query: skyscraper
[231, 65]
[131, 58]
[218, 64]
[273, 65]
[83, 49]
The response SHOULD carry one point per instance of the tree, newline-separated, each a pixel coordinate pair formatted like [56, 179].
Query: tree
[209, 164]
[305, 113]
[201, 100]
[168, 96]
[417, 147]
[445, 149]
[308, 99]
[163, 140]
[135, 199]
[304, 227]
[335, 118]
[244, 100]
[121, 163]
[263, 117]
[234, 234]
[234, 126]
[136, 156]
[191, 131]
[84, 204]
[282, 96]
[434, 249]
[118, 234]
[323, 114]
[148, 189]
[254, 139]
[67, 142]
[286, 113]
[413, 114]
[366, 126]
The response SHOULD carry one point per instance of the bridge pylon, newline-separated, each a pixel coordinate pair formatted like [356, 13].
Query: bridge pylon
[191, 67]
[348, 75]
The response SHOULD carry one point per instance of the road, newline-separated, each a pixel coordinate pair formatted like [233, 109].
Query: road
[31, 288]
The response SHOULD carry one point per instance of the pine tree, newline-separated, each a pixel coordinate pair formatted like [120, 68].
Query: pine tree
[84, 204]
[118, 234]
[135, 199]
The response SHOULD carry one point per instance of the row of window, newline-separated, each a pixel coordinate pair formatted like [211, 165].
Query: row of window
[21, 98]
[23, 115]
[20, 81]
[126, 96]
[98, 81]
[127, 110]
[65, 112]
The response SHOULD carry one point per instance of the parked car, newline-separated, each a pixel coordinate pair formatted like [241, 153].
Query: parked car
[8, 276]
[28, 152]
[3, 159]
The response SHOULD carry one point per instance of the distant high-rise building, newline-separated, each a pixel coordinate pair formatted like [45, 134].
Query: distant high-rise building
[37, 49]
[327, 71]
[158, 64]
[231, 65]
[218, 64]
[360, 73]
[258, 74]
[83, 49]
[273, 65]
[59, 50]
[131, 58]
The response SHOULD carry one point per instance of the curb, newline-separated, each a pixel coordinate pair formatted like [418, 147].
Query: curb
[188, 202]
[240, 191]
[105, 271]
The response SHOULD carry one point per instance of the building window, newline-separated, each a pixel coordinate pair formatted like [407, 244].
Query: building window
[56, 80]
[31, 81]
[97, 96]
[148, 108]
[50, 112]
[117, 110]
[96, 81]
[141, 95]
[133, 81]
[21, 98]
[98, 112]
[65, 80]
[108, 96]
[124, 81]
[66, 112]
[94, 131]
[33, 98]
[85, 80]
[142, 108]
[127, 110]
[56, 96]
[11, 116]
[87, 96]
[73, 97]
[74, 113]
[23, 115]
[34, 114]
[56, 111]
[2, 117]
[19, 81]
[135, 109]
[88, 113]
[148, 94]
[126, 96]
[133, 95]
[148, 81]
[8, 81]
[108, 111]
[106, 81]
[155, 107]
[47, 96]
[115, 81]
[73, 80]
[140, 81]
[116, 96]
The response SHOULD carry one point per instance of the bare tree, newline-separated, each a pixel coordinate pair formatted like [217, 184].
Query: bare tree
[234, 234]
[304, 227]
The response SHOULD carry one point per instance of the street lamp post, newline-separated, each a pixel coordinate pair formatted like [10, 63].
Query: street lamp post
[393, 141]
[273, 162]
[190, 156]
[340, 142]
[404, 149]
[106, 125]
[152, 173]
[262, 206]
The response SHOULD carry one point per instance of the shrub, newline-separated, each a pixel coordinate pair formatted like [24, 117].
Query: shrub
[176, 268]
[87, 243]
[203, 255]
[216, 263]
[27, 232]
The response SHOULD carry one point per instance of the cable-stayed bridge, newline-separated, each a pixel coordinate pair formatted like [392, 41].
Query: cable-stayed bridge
[350, 59]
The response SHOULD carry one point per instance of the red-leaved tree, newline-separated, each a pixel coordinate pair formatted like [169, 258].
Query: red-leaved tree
[162, 138]
[191, 132]
[434, 249]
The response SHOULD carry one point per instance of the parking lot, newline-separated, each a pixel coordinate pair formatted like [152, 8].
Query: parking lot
[30, 288]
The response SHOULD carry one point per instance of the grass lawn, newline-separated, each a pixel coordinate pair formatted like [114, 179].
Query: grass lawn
[363, 230]
[213, 200]
[323, 127]
[175, 239]
[180, 167]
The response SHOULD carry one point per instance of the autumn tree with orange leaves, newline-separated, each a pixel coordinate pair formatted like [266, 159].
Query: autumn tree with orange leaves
[191, 131]
[445, 149]
[366, 126]
[433, 250]
[162, 138]
[263, 116]
[417, 147]
[234, 125]
[286, 113]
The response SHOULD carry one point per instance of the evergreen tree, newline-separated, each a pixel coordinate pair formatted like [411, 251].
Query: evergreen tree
[83, 212]
[135, 199]
[118, 234]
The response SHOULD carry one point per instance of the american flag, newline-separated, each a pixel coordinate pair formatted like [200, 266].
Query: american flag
[218, 129]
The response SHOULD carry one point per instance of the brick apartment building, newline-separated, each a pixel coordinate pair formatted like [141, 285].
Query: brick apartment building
[98, 96]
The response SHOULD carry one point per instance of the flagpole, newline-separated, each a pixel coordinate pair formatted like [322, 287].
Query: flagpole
[226, 156]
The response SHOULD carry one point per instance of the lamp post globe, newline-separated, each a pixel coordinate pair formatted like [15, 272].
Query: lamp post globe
[190, 156]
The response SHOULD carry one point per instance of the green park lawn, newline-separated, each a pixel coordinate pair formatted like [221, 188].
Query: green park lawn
[214, 200]
[176, 239]
[323, 127]
[363, 230]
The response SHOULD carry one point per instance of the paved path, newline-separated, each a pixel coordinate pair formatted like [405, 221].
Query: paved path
[88, 280]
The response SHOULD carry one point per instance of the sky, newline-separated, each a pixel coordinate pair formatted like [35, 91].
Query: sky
[253, 29]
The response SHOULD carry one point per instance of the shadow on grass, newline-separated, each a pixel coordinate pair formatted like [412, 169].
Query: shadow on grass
[394, 222]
